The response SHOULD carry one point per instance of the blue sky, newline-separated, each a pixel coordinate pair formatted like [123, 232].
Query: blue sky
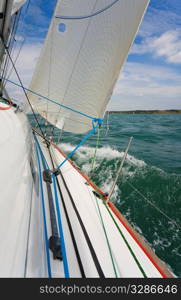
[151, 77]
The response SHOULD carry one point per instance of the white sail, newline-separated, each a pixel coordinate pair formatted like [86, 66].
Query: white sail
[82, 57]
[17, 4]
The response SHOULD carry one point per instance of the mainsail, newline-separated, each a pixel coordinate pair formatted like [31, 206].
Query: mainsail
[85, 48]
[17, 4]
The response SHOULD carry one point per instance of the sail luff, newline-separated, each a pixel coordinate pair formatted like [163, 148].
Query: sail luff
[81, 59]
[17, 4]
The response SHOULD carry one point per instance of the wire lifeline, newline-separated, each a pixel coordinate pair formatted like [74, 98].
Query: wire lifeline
[62, 105]
[44, 217]
[157, 208]
[87, 16]
[75, 167]
[91, 132]
[65, 263]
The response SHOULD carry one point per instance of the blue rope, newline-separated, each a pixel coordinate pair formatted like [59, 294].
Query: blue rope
[44, 217]
[64, 106]
[87, 16]
[64, 256]
[65, 263]
[91, 132]
[45, 164]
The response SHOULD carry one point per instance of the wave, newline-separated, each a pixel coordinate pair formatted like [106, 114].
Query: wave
[106, 165]
[156, 185]
[105, 152]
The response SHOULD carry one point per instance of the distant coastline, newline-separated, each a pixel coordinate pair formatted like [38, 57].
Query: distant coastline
[162, 112]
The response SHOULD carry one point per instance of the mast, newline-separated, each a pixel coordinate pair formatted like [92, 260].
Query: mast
[5, 17]
[8, 8]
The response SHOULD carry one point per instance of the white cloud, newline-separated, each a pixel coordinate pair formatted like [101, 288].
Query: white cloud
[168, 46]
[139, 86]
[143, 79]
[158, 21]
[145, 86]
[25, 66]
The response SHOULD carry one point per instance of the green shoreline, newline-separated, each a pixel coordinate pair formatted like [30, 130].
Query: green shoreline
[162, 112]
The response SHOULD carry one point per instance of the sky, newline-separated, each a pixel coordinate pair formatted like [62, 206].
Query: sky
[151, 76]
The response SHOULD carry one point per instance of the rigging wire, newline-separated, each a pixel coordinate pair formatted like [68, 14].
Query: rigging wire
[64, 106]
[22, 86]
[84, 139]
[50, 68]
[17, 16]
[10, 45]
[152, 204]
[23, 42]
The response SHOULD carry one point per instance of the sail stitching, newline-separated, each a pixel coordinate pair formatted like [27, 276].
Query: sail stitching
[88, 16]
[76, 61]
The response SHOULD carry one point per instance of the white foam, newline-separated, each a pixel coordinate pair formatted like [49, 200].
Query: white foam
[105, 152]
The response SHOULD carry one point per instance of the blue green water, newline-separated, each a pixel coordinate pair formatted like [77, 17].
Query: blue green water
[152, 172]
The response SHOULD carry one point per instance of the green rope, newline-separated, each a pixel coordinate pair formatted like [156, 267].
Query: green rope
[95, 152]
[107, 239]
[129, 247]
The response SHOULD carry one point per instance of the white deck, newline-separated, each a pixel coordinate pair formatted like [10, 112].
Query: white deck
[85, 201]
[22, 251]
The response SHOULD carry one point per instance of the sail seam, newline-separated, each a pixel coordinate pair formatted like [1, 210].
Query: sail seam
[88, 16]
[76, 61]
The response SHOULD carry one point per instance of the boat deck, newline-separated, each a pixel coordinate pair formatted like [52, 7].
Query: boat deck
[98, 240]
[106, 244]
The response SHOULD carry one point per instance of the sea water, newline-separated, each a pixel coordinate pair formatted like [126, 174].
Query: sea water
[151, 177]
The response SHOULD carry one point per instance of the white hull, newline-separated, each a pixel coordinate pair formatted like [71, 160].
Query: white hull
[92, 250]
